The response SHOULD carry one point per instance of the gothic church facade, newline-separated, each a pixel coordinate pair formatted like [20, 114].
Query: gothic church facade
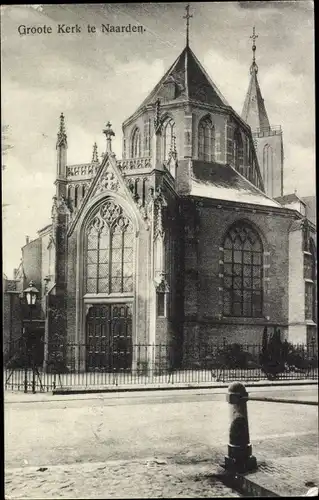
[185, 241]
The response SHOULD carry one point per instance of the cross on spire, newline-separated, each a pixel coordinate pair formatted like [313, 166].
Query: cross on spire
[187, 17]
[253, 37]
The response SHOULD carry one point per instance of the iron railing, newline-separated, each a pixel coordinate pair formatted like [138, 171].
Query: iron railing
[121, 363]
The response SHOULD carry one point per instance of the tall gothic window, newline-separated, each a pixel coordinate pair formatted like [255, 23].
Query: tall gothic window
[238, 152]
[268, 158]
[76, 196]
[136, 144]
[169, 135]
[206, 140]
[109, 251]
[147, 137]
[310, 278]
[243, 272]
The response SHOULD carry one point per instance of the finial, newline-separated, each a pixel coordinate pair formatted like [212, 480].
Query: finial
[62, 128]
[254, 66]
[95, 158]
[187, 17]
[108, 134]
[61, 133]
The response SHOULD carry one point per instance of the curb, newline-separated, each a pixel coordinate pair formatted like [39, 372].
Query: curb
[172, 387]
[245, 486]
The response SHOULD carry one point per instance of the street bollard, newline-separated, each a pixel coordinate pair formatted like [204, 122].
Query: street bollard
[239, 457]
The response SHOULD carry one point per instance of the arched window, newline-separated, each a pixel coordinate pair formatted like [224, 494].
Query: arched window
[238, 152]
[83, 190]
[268, 158]
[206, 140]
[136, 144]
[109, 251]
[310, 279]
[168, 135]
[76, 196]
[243, 272]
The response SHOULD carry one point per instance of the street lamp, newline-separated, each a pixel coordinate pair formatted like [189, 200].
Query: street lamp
[30, 294]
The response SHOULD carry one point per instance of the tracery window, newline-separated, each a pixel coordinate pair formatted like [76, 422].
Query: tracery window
[310, 277]
[243, 272]
[109, 251]
[169, 136]
[136, 144]
[206, 140]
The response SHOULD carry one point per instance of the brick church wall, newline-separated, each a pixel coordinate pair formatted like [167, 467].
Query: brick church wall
[203, 297]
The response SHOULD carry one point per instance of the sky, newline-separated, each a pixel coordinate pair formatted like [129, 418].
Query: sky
[96, 77]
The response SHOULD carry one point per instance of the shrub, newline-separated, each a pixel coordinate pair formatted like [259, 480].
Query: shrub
[278, 356]
[233, 356]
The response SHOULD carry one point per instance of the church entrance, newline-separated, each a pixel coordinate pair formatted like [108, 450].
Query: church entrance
[109, 337]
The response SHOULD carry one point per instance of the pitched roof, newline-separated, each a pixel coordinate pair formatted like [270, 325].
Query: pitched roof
[289, 198]
[222, 182]
[254, 112]
[191, 82]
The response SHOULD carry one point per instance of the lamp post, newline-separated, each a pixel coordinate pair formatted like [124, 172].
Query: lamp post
[30, 294]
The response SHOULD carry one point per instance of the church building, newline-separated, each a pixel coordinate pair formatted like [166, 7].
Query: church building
[187, 240]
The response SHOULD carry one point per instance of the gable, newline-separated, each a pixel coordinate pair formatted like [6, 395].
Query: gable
[108, 179]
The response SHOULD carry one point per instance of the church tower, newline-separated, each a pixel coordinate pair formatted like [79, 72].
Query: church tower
[268, 140]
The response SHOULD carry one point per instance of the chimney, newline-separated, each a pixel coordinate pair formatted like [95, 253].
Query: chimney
[27, 240]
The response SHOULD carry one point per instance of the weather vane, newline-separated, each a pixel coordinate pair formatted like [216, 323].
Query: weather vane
[187, 17]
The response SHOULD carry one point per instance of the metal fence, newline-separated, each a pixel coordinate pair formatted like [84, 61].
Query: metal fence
[121, 363]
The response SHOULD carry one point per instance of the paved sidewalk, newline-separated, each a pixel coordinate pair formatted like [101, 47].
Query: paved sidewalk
[150, 478]
[15, 396]
[286, 466]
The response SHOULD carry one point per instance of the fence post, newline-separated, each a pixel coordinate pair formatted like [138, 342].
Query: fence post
[239, 457]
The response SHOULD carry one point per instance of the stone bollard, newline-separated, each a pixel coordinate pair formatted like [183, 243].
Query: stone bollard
[239, 457]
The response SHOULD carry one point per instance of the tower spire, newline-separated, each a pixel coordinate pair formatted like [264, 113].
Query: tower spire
[187, 17]
[254, 66]
[254, 112]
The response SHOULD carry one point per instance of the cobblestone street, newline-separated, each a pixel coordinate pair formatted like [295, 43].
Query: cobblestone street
[155, 445]
[122, 479]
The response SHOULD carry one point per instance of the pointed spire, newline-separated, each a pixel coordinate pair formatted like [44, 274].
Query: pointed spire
[108, 134]
[254, 112]
[95, 158]
[62, 139]
[187, 17]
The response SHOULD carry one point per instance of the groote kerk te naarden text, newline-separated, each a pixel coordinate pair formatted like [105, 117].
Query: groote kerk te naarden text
[64, 29]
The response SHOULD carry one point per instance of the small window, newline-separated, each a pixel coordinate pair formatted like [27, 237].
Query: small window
[161, 312]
